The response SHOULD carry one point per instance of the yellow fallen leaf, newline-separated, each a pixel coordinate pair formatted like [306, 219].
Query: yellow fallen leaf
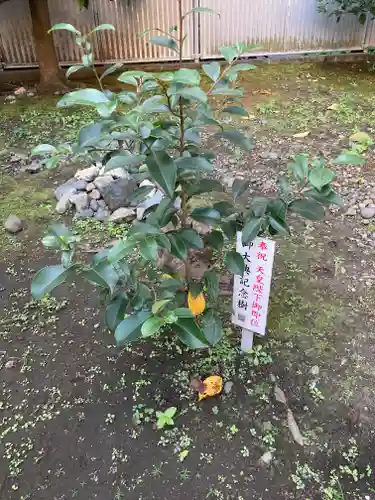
[334, 107]
[361, 137]
[196, 304]
[301, 135]
[166, 276]
[212, 385]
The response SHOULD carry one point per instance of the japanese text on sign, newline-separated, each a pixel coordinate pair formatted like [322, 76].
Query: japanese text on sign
[251, 291]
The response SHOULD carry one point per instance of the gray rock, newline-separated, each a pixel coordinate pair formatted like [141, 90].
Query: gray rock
[86, 213]
[228, 386]
[87, 174]
[71, 186]
[33, 167]
[102, 214]
[351, 211]
[228, 181]
[154, 198]
[95, 194]
[94, 205]
[64, 203]
[118, 173]
[102, 204]
[90, 187]
[368, 212]
[10, 98]
[116, 192]
[13, 224]
[123, 215]
[80, 200]
[20, 91]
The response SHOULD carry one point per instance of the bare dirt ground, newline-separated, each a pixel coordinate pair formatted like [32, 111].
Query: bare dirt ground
[77, 415]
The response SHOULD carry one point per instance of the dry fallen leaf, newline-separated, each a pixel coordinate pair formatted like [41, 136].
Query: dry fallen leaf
[279, 395]
[266, 458]
[196, 304]
[302, 135]
[212, 385]
[294, 429]
[197, 384]
[334, 107]
[266, 92]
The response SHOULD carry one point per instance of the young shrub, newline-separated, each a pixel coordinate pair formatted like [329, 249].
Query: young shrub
[153, 129]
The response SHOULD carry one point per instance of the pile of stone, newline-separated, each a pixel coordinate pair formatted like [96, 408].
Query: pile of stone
[105, 196]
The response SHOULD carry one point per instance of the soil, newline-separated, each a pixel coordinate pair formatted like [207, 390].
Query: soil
[77, 416]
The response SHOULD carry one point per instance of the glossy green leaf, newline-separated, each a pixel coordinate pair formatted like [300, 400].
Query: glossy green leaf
[195, 163]
[89, 134]
[47, 279]
[235, 263]
[227, 91]
[190, 334]
[309, 209]
[149, 249]
[73, 69]
[159, 305]
[228, 52]
[124, 161]
[300, 167]
[115, 312]
[130, 328]
[43, 149]
[141, 193]
[163, 170]
[212, 327]
[258, 206]
[178, 246]
[215, 239]
[330, 198]
[120, 250]
[225, 208]
[171, 284]
[111, 69]
[192, 94]
[103, 275]
[187, 76]
[208, 216]
[212, 70]
[203, 10]
[164, 41]
[151, 326]
[154, 104]
[91, 97]
[350, 159]
[237, 138]
[103, 27]
[279, 225]
[251, 230]
[133, 77]
[277, 208]
[64, 26]
[320, 177]
[236, 110]
[203, 186]
[183, 312]
[191, 238]
[212, 281]
[239, 187]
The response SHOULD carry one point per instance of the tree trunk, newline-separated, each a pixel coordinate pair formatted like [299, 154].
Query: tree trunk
[50, 77]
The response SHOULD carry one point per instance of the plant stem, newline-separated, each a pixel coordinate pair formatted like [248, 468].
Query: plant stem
[183, 212]
[181, 42]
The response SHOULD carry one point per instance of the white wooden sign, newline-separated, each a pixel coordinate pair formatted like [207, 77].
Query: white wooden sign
[251, 291]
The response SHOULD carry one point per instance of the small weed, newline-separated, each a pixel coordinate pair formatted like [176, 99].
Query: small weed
[165, 417]
[259, 356]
